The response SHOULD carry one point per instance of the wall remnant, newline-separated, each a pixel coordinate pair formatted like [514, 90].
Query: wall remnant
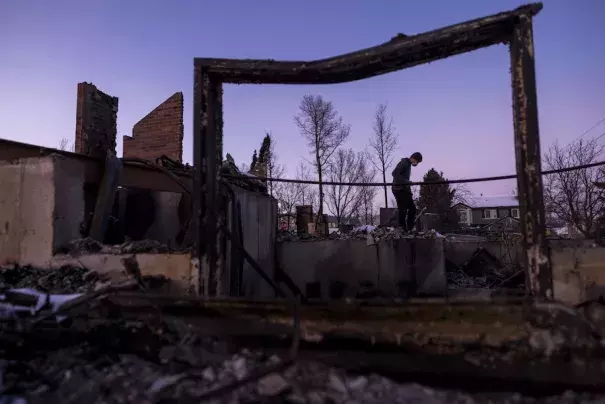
[159, 133]
[96, 121]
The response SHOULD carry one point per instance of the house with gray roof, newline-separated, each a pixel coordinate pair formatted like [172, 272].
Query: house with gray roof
[487, 211]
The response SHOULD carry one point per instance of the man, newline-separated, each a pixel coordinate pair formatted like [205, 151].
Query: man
[403, 192]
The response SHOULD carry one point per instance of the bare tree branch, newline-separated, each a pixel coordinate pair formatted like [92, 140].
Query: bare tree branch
[366, 211]
[66, 145]
[383, 143]
[462, 193]
[324, 131]
[572, 196]
[307, 193]
[343, 201]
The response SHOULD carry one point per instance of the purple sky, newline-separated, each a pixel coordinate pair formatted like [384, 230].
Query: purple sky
[457, 112]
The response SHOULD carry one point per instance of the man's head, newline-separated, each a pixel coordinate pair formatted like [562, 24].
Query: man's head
[416, 158]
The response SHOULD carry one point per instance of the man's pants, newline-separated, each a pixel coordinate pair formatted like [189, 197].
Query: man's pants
[406, 207]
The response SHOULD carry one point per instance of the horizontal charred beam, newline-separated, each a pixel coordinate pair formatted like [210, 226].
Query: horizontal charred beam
[399, 53]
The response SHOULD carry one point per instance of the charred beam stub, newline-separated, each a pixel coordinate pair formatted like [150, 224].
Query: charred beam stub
[527, 153]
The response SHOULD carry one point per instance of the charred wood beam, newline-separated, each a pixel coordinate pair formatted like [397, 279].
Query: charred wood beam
[399, 53]
[528, 160]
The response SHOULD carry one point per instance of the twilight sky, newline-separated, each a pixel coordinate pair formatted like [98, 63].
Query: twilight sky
[457, 111]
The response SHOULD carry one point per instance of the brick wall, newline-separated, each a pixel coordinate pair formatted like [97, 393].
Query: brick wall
[96, 121]
[159, 133]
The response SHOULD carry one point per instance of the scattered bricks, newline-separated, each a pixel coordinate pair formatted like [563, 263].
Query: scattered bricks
[96, 121]
[159, 133]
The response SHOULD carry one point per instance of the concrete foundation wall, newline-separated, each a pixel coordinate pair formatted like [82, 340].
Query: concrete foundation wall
[578, 265]
[389, 265]
[27, 206]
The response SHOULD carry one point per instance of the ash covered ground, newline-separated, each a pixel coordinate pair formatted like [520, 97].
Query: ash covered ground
[163, 360]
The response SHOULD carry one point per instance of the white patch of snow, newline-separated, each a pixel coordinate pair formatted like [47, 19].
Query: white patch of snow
[8, 310]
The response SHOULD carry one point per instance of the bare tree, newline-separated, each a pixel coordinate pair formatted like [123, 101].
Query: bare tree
[572, 196]
[366, 210]
[462, 193]
[343, 201]
[324, 130]
[307, 193]
[383, 143]
[287, 195]
[65, 144]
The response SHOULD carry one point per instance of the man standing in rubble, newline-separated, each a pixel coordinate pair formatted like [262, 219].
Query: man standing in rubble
[403, 192]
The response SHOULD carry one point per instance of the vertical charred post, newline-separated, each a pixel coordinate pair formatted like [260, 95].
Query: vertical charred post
[528, 160]
[200, 153]
[217, 214]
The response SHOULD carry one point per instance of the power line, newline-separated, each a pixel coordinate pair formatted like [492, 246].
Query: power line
[586, 132]
[382, 184]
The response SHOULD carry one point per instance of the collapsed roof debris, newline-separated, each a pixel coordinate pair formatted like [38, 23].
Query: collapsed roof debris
[230, 168]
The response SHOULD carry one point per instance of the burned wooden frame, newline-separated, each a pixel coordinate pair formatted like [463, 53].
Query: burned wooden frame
[512, 27]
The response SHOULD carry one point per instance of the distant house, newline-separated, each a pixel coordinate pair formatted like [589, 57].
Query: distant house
[495, 211]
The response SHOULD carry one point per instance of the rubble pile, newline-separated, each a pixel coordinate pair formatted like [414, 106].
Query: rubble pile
[483, 271]
[91, 246]
[66, 279]
[366, 232]
[162, 360]
[84, 347]
[235, 176]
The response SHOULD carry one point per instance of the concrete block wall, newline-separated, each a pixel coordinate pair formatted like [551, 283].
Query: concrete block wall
[96, 121]
[387, 265]
[40, 208]
[158, 133]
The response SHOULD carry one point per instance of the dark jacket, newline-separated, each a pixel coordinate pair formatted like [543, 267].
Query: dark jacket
[401, 175]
